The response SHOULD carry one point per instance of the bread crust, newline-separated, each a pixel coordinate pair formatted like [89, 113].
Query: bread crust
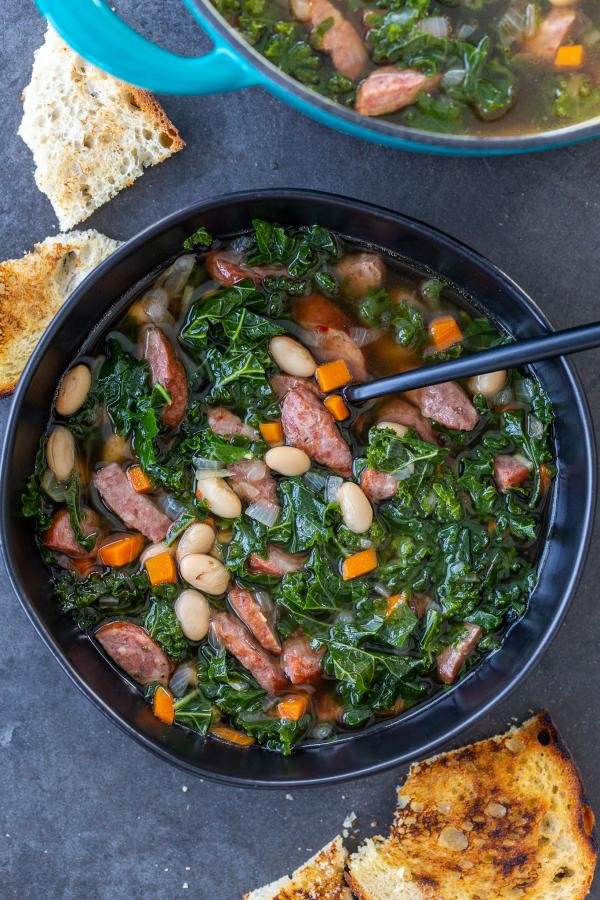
[320, 878]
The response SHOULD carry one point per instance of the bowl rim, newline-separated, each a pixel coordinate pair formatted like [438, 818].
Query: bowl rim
[394, 758]
[379, 128]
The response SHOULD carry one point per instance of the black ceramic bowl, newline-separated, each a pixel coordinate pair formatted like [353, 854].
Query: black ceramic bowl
[92, 309]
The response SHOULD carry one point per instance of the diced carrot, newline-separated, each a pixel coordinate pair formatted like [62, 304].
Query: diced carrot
[293, 707]
[272, 432]
[138, 480]
[444, 332]
[232, 735]
[333, 375]
[336, 406]
[393, 601]
[122, 550]
[545, 478]
[161, 568]
[163, 706]
[491, 526]
[359, 564]
[569, 56]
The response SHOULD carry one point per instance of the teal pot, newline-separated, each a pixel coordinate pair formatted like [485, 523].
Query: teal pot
[98, 34]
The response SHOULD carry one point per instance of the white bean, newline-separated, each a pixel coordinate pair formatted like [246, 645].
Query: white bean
[193, 612]
[60, 453]
[155, 550]
[222, 501]
[73, 390]
[356, 510]
[395, 426]
[564, 2]
[291, 357]
[205, 573]
[197, 538]
[287, 460]
[488, 384]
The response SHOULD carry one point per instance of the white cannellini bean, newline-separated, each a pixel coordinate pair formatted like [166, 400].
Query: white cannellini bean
[395, 426]
[60, 453]
[205, 573]
[155, 550]
[291, 357]
[356, 510]
[287, 460]
[192, 610]
[73, 390]
[488, 384]
[197, 538]
[222, 501]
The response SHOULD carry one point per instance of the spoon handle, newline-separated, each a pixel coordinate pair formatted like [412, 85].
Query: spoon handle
[518, 353]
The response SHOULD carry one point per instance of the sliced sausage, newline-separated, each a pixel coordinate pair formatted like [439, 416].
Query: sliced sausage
[378, 486]
[167, 371]
[309, 425]
[399, 410]
[60, 536]
[361, 272]
[137, 511]
[252, 481]
[509, 472]
[447, 404]
[340, 40]
[247, 607]
[300, 662]
[132, 648]
[222, 421]
[281, 384]
[550, 34]
[388, 89]
[227, 269]
[419, 603]
[326, 331]
[236, 638]
[278, 562]
[452, 658]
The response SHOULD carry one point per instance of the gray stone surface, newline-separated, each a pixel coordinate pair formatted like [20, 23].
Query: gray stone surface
[85, 812]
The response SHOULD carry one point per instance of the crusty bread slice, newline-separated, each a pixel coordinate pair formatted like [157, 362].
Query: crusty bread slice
[33, 288]
[90, 134]
[321, 878]
[503, 818]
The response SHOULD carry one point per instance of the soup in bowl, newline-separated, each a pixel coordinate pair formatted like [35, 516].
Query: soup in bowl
[243, 562]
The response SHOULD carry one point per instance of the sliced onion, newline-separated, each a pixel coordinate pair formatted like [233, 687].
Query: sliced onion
[436, 26]
[202, 463]
[535, 427]
[314, 338]
[363, 336]
[184, 677]
[344, 617]
[381, 589]
[315, 480]
[334, 483]
[404, 473]
[171, 507]
[266, 604]
[524, 460]
[321, 731]
[530, 20]
[176, 276]
[504, 396]
[454, 77]
[56, 490]
[108, 602]
[214, 641]
[264, 512]
[201, 474]
[512, 25]
[465, 31]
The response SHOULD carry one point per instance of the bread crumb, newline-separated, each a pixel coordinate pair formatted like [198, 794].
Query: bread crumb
[184, 788]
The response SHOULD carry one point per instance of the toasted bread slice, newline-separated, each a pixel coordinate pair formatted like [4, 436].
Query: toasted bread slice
[33, 288]
[503, 818]
[321, 878]
[90, 134]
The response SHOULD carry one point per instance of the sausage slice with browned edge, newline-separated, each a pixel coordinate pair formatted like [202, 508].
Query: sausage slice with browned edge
[399, 410]
[378, 486]
[228, 269]
[446, 404]
[509, 472]
[223, 421]
[340, 38]
[247, 607]
[167, 371]
[389, 89]
[360, 273]
[308, 425]
[283, 384]
[252, 480]
[452, 658]
[550, 33]
[236, 638]
[278, 562]
[132, 648]
[327, 331]
[135, 510]
[59, 535]
[301, 663]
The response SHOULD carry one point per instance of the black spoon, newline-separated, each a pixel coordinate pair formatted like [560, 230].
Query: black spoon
[519, 353]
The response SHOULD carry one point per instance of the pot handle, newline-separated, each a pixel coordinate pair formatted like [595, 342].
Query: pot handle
[92, 29]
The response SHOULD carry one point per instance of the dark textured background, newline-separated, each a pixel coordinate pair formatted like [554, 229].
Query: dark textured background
[85, 812]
